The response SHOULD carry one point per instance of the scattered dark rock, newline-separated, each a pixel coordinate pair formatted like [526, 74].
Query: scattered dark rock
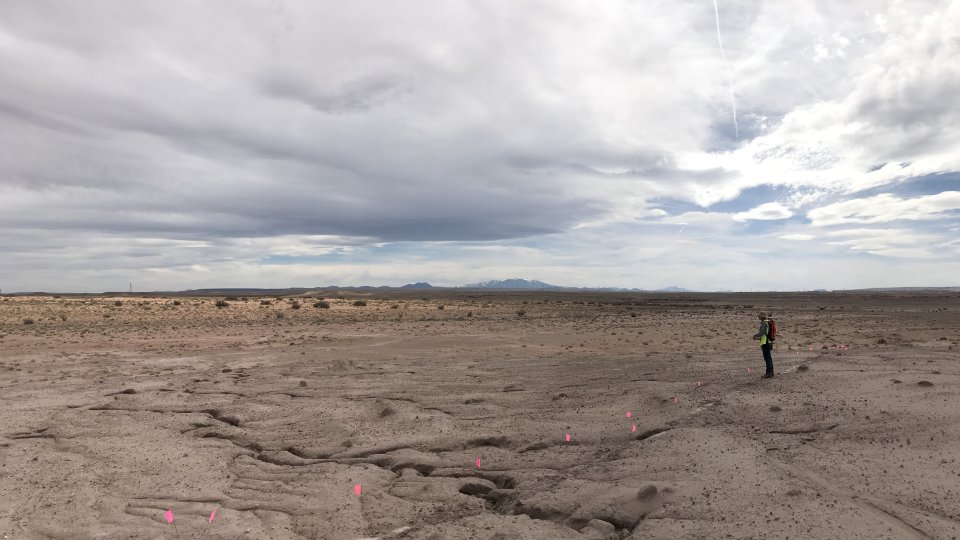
[513, 388]
[803, 367]
[387, 411]
[647, 492]
[924, 383]
[794, 492]
[775, 408]
[226, 370]
[897, 381]
[303, 383]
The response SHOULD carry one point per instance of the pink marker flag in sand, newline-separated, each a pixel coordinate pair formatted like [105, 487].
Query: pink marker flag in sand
[169, 515]
[212, 515]
[568, 437]
[749, 370]
[357, 489]
[699, 384]
[675, 399]
[477, 463]
[633, 429]
[628, 414]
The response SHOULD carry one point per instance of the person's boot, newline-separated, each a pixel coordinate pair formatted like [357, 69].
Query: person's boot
[767, 376]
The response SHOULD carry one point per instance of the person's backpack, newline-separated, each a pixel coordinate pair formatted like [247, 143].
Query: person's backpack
[771, 330]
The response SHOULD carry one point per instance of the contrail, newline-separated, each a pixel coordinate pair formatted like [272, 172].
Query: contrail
[733, 100]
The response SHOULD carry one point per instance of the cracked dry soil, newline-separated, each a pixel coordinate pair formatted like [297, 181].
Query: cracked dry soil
[109, 421]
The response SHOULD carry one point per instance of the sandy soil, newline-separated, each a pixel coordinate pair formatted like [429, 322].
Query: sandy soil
[273, 415]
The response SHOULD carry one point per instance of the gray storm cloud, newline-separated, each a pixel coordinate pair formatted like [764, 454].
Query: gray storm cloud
[371, 122]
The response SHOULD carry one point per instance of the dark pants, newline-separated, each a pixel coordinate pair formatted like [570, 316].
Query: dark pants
[767, 357]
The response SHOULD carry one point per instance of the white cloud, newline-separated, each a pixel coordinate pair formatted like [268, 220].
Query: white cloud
[884, 208]
[901, 242]
[766, 211]
[798, 237]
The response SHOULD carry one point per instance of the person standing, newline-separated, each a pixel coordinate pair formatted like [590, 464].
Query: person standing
[765, 344]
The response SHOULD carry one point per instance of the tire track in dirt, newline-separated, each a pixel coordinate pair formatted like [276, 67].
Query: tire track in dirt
[864, 503]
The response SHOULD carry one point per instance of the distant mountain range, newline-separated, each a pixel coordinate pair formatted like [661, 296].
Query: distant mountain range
[513, 284]
[516, 284]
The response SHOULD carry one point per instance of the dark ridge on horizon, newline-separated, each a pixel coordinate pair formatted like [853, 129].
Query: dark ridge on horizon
[513, 284]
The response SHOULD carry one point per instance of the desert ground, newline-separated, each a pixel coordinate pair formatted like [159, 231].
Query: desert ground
[445, 415]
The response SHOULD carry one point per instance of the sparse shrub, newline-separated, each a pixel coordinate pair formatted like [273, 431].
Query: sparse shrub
[118, 303]
[176, 302]
[279, 314]
[295, 305]
[221, 304]
[28, 321]
[881, 341]
[360, 303]
[232, 299]
[322, 305]
[266, 303]
[56, 296]
[469, 314]
[521, 313]
[440, 306]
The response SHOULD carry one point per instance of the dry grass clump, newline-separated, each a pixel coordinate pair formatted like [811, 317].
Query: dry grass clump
[221, 304]
[360, 303]
[322, 305]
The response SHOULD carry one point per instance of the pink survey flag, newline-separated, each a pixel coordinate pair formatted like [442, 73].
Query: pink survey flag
[212, 515]
[477, 462]
[169, 515]
[628, 414]
[357, 489]
[699, 384]
[675, 399]
[633, 429]
[568, 437]
[749, 370]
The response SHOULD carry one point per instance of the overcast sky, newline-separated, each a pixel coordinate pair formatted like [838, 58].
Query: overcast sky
[304, 143]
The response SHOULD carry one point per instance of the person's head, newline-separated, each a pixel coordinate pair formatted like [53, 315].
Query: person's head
[762, 315]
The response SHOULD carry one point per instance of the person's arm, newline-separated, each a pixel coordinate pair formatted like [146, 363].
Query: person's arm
[762, 332]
